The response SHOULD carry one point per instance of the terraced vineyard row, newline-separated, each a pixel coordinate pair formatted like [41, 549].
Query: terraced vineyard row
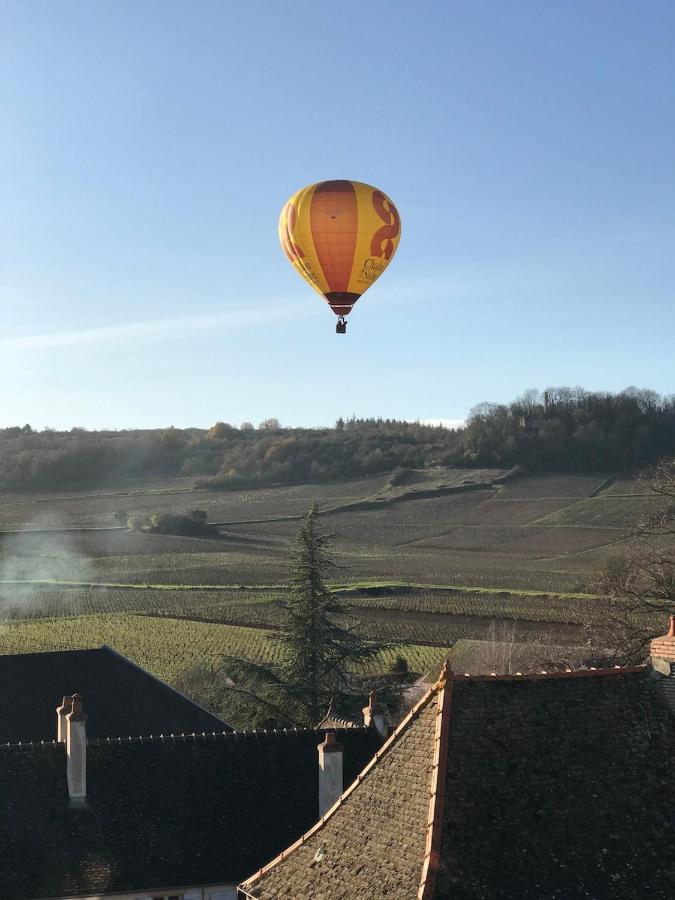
[37, 602]
[501, 605]
[548, 533]
[34, 601]
[250, 610]
[438, 619]
[169, 647]
[408, 616]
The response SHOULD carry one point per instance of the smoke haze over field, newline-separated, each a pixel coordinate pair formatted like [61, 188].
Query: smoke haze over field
[38, 557]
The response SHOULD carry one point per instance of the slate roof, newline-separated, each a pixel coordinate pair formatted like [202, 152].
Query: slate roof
[666, 687]
[565, 784]
[120, 697]
[548, 786]
[373, 842]
[161, 811]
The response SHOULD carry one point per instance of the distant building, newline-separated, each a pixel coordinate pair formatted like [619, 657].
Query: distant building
[124, 805]
[557, 785]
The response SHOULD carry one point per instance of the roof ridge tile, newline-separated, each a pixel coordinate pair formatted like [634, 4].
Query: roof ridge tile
[549, 676]
[432, 854]
[32, 745]
[203, 736]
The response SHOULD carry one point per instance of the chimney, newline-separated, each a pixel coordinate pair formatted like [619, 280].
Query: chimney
[331, 782]
[61, 713]
[662, 650]
[373, 715]
[76, 753]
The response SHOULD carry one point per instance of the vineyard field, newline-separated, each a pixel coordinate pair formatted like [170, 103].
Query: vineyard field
[170, 647]
[517, 559]
[539, 532]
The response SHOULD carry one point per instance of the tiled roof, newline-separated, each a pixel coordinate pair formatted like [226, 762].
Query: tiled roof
[556, 786]
[120, 697]
[665, 686]
[162, 811]
[559, 786]
[375, 840]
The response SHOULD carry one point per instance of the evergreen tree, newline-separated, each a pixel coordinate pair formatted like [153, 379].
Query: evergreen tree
[319, 647]
[320, 643]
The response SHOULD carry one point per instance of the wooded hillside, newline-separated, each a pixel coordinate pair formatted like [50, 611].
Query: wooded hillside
[562, 430]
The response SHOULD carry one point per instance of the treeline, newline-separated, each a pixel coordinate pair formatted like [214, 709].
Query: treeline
[572, 430]
[561, 429]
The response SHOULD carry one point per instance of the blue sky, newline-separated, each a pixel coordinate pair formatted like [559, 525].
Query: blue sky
[146, 149]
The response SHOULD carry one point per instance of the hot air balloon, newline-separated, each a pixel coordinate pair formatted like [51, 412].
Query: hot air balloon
[340, 236]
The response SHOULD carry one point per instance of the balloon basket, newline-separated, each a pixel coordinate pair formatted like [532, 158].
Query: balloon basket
[341, 327]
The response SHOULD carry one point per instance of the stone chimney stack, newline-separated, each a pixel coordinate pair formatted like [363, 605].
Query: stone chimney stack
[373, 714]
[331, 782]
[76, 753]
[662, 650]
[61, 713]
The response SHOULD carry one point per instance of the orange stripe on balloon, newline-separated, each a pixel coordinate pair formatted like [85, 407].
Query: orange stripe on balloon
[333, 222]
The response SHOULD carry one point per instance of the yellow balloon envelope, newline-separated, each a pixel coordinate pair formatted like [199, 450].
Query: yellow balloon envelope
[340, 236]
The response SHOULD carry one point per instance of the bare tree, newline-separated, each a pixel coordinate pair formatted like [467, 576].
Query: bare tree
[644, 577]
[641, 582]
[269, 425]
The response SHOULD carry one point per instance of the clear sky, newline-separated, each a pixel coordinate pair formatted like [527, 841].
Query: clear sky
[147, 147]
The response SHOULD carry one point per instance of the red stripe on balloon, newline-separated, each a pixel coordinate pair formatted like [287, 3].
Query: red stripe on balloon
[341, 303]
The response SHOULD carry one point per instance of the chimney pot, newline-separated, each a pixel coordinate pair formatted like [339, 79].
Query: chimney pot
[61, 713]
[330, 743]
[331, 779]
[373, 714]
[663, 648]
[76, 753]
[77, 710]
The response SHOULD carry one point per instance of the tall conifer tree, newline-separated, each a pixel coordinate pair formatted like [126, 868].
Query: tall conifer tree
[320, 647]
